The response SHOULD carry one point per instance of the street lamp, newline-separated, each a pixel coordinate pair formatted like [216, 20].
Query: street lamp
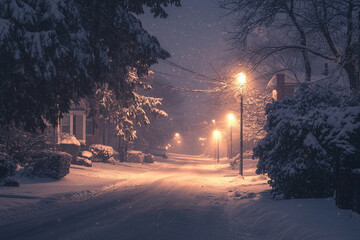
[214, 122]
[241, 78]
[231, 118]
[177, 135]
[217, 135]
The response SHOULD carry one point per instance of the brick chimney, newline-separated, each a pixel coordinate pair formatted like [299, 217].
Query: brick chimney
[280, 86]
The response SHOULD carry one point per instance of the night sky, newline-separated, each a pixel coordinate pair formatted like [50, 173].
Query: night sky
[195, 36]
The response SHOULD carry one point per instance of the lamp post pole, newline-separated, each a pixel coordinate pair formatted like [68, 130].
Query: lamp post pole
[217, 136]
[241, 135]
[218, 155]
[241, 77]
[213, 121]
[230, 141]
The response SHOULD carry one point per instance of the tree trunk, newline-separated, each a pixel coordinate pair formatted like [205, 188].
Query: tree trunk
[123, 148]
[307, 65]
[353, 78]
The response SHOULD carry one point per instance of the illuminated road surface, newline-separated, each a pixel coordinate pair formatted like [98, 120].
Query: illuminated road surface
[183, 197]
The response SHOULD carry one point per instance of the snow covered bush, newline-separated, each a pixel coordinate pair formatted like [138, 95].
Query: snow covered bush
[81, 161]
[148, 158]
[20, 145]
[66, 138]
[51, 164]
[101, 153]
[86, 154]
[134, 157]
[139, 157]
[309, 139]
[11, 182]
[7, 166]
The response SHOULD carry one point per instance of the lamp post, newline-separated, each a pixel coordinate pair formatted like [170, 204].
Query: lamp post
[217, 133]
[214, 122]
[241, 78]
[231, 118]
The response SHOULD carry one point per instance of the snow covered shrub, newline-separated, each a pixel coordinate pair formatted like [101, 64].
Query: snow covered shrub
[308, 138]
[81, 161]
[20, 145]
[51, 164]
[139, 157]
[7, 166]
[86, 154]
[135, 157]
[69, 144]
[148, 158]
[101, 153]
[112, 160]
[11, 182]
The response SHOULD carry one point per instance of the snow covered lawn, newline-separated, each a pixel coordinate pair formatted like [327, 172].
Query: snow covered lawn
[183, 197]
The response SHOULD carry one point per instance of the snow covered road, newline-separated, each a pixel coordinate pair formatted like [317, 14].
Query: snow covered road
[183, 197]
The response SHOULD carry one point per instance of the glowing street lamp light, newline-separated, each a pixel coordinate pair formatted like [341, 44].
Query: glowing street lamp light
[217, 135]
[241, 78]
[177, 135]
[231, 119]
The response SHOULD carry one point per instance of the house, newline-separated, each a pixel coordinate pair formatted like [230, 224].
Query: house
[87, 130]
[284, 83]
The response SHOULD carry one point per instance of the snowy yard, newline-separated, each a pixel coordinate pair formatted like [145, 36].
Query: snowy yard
[183, 197]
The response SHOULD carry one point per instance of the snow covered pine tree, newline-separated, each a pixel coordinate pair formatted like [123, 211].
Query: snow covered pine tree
[53, 53]
[309, 139]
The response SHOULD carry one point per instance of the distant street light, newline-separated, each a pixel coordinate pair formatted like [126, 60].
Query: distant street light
[217, 135]
[241, 78]
[202, 139]
[177, 135]
[231, 119]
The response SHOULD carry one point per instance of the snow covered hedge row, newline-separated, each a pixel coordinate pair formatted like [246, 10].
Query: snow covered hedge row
[309, 138]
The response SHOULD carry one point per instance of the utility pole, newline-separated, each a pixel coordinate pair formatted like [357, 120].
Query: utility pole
[241, 135]
[230, 140]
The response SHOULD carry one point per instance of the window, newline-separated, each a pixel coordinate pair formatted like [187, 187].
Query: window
[90, 127]
[65, 124]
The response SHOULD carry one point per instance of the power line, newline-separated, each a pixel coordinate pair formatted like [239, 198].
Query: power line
[188, 79]
[187, 70]
[186, 89]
